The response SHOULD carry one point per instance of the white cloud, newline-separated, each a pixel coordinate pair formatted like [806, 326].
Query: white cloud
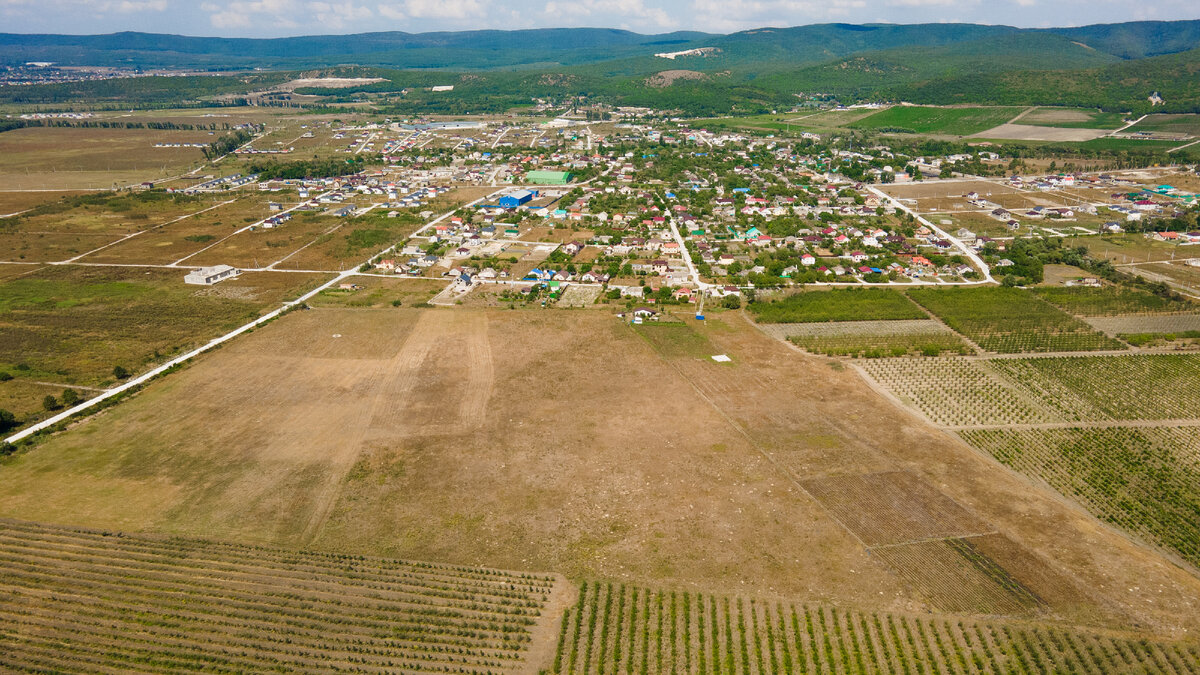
[630, 13]
[246, 13]
[445, 9]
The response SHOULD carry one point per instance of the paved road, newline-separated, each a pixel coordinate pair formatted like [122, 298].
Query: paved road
[966, 251]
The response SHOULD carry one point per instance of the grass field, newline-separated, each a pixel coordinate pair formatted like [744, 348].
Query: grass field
[868, 304]
[934, 120]
[68, 158]
[1131, 144]
[1188, 124]
[83, 600]
[73, 325]
[620, 628]
[1010, 320]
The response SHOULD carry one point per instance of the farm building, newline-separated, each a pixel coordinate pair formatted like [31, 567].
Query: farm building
[548, 177]
[516, 198]
[207, 276]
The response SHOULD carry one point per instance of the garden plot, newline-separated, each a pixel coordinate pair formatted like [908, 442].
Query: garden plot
[579, 296]
[893, 508]
[87, 601]
[1145, 480]
[624, 629]
[958, 392]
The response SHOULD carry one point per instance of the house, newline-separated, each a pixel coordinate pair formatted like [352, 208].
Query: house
[463, 281]
[207, 276]
[660, 266]
[683, 293]
[573, 247]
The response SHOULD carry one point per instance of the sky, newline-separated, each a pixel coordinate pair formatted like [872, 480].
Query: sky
[278, 18]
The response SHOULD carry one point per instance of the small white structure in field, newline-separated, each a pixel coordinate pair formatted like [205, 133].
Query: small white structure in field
[207, 276]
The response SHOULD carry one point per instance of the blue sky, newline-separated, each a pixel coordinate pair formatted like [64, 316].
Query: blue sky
[275, 18]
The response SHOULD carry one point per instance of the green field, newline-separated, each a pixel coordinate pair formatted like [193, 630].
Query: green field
[1011, 320]
[930, 120]
[1110, 301]
[616, 628]
[852, 304]
[879, 346]
[1129, 144]
[1187, 124]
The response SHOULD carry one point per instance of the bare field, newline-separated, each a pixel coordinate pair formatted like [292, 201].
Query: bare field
[1029, 132]
[476, 437]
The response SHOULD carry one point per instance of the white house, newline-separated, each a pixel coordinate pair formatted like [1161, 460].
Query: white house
[207, 276]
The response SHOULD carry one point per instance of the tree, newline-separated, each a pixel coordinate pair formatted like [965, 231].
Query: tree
[7, 420]
[70, 397]
[731, 302]
[51, 403]
[120, 373]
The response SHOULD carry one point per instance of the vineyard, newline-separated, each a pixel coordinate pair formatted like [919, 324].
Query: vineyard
[1133, 387]
[616, 628]
[1011, 320]
[972, 392]
[73, 600]
[1165, 323]
[1146, 480]
[872, 339]
[847, 304]
[957, 392]
[1111, 301]
[880, 346]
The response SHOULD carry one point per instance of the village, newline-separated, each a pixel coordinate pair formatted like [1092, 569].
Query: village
[671, 213]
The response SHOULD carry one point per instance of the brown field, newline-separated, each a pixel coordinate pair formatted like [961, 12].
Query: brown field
[938, 189]
[50, 246]
[335, 248]
[51, 157]
[477, 436]
[168, 241]
[263, 247]
[14, 202]
[1029, 132]
[893, 508]
[381, 292]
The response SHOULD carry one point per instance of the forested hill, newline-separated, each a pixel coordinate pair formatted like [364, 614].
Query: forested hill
[753, 51]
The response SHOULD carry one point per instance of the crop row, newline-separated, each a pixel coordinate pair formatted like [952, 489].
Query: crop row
[958, 392]
[1145, 480]
[1110, 301]
[966, 392]
[1011, 320]
[620, 629]
[881, 346]
[1129, 387]
[86, 601]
